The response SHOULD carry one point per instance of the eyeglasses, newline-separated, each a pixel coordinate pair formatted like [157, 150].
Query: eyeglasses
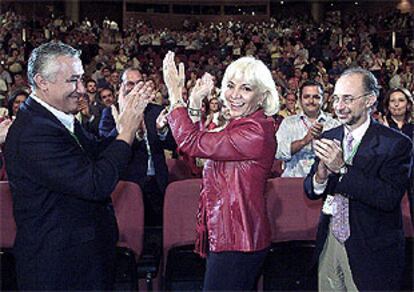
[132, 83]
[348, 99]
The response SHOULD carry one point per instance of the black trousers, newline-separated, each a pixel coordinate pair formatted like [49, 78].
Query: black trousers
[153, 200]
[233, 270]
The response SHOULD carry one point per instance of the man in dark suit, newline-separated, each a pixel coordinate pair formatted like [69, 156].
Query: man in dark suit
[62, 180]
[90, 109]
[361, 172]
[147, 166]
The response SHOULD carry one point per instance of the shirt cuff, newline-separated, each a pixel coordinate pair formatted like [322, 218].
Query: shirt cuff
[162, 135]
[317, 187]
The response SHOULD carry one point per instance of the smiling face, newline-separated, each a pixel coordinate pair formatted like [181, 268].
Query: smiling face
[311, 100]
[242, 98]
[356, 111]
[64, 91]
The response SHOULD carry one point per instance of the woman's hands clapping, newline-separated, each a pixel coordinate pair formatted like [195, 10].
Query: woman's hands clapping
[201, 89]
[174, 79]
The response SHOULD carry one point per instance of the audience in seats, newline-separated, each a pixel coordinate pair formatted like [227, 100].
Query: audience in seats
[297, 133]
[294, 48]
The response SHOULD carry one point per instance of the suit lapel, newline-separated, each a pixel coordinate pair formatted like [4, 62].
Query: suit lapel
[367, 148]
[41, 110]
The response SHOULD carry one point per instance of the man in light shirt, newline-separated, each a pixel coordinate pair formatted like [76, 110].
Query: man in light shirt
[296, 133]
[62, 179]
[361, 172]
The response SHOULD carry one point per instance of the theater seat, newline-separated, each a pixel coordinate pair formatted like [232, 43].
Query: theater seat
[7, 236]
[291, 215]
[129, 212]
[178, 170]
[293, 220]
[183, 269]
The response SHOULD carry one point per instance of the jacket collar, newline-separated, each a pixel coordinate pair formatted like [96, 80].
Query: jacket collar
[368, 146]
[33, 105]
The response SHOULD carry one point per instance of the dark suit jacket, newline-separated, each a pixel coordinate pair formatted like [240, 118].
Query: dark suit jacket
[66, 229]
[137, 167]
[91, 125]
[375, 184]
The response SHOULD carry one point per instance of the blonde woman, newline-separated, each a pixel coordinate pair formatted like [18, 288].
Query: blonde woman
[232, 227]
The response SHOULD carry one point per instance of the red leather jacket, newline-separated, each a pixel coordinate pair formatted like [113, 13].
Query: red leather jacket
[232, 212]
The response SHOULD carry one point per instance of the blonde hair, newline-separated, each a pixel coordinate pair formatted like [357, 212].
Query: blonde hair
[254, 72]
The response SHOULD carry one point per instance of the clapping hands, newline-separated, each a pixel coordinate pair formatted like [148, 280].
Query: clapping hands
[174, 79]
[201, 89]
[132, 107]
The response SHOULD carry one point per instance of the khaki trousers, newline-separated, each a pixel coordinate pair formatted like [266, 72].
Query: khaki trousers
[334, 273]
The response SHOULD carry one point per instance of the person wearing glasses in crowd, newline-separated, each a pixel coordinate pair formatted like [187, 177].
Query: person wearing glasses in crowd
[361, 172]
[232, 226]
[62, 179]
[147, 167]
[297, 132]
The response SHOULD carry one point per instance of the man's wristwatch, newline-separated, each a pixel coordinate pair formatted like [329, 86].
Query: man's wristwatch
[343, 170]
[194, 112]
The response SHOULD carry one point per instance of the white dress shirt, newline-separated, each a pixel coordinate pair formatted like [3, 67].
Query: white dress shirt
[68, 120]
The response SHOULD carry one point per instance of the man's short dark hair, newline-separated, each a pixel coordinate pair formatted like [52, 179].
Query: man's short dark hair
[310, 82]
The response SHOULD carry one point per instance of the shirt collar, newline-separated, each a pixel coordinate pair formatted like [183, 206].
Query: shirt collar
[321, 114]
[359, 132]
[68, 120]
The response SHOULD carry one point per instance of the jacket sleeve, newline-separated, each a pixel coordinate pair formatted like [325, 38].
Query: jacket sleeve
[382, 190]
[49, 156]
[284, 141]
[169, 142]
[243, 142]
[107, 127]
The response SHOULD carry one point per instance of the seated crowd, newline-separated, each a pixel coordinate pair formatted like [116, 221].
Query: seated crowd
[323, 76]
[305, 59]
